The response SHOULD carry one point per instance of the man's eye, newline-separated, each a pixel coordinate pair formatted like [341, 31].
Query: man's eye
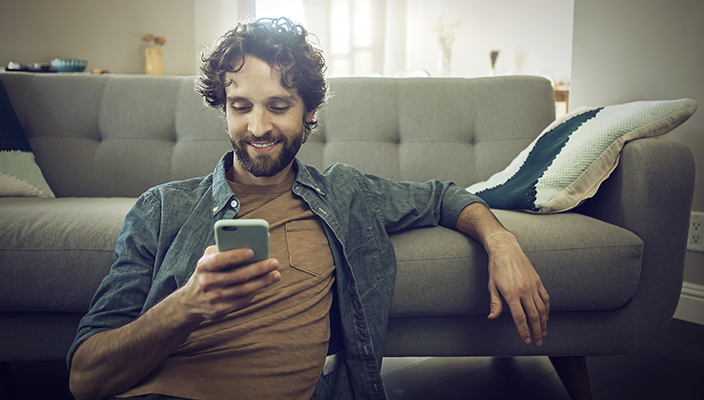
[279, 108]
[241, 109]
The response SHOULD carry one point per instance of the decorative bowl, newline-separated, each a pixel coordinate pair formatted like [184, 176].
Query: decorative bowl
[63, 65]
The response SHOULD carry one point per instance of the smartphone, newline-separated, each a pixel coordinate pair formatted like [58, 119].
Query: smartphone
[243, 234]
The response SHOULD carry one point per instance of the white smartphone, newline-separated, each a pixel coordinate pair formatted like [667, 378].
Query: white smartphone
[243, 234]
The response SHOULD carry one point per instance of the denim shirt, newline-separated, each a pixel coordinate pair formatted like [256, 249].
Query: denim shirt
[171, 225]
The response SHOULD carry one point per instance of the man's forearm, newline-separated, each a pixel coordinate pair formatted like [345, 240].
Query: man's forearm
[480, 223]
[113, 361]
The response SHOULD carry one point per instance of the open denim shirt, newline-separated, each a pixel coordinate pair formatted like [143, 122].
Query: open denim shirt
[170, 226]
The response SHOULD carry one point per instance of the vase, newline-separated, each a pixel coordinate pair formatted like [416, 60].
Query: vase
[445, 58]
[153, 64]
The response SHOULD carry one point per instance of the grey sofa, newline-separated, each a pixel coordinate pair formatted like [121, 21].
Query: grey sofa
[613, 266]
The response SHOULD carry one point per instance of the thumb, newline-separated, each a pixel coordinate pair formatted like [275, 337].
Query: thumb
[495, 306]
[210, 250]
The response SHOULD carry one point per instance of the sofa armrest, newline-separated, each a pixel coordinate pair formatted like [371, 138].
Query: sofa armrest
[650, 194]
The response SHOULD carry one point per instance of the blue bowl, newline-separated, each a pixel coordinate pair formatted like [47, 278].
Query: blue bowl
[63, 65]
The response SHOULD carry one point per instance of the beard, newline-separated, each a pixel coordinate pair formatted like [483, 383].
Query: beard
[265, 165]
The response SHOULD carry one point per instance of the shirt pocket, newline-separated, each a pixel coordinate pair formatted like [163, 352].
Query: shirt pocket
[308, 248]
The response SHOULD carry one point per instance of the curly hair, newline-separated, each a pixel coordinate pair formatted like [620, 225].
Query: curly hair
[279, 42]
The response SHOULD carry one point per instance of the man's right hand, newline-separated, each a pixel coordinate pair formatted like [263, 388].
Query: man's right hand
[115, 360]
[223, 283]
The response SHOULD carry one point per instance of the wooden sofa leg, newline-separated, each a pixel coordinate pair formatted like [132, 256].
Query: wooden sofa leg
[574, 376]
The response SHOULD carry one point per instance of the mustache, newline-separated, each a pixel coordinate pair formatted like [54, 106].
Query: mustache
[267, 137]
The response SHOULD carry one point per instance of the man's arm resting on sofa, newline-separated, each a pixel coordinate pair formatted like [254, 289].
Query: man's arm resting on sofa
[511, 274]
[113, 361]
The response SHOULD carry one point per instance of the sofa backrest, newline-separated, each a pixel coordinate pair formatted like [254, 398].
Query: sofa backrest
[117, 135]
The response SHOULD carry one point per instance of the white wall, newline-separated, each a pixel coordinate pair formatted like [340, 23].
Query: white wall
[628, 50]
[212, 19]
[105, 32]
[534, 37]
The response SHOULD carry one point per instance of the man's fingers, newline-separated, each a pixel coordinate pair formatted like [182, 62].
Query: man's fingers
[546, 300]
[536, 323]
[495, 306]
[249, 272]
[544, 310]
[520, 320]
[251, 286]
[214, 261]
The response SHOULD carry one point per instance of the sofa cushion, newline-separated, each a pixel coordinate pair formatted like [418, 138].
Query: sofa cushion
[55, 252]
[19, 174]
[42, 268]
[567, 162]
[585, 265]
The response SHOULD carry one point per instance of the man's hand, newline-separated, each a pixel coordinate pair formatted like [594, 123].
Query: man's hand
[220, 283]
[115, 360]
[511, 274]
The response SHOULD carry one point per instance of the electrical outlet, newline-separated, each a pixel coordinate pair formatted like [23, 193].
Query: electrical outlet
[695, 238]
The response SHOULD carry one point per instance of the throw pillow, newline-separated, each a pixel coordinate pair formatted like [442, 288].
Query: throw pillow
[569, 160]
[19, 174]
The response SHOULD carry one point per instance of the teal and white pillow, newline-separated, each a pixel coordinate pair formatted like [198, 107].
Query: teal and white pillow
[569, 160]
[19, 174]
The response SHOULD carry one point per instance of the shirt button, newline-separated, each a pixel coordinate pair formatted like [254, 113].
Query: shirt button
[233, 204]
[215, 209]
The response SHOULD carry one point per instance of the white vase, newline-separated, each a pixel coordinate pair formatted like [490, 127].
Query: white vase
[445, 60]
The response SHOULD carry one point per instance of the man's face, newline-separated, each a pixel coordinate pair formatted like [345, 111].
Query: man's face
[265, 122]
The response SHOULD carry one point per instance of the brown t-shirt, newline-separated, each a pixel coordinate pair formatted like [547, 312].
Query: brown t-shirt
[275, 348]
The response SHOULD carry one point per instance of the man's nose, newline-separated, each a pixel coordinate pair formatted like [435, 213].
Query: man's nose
[259, 122]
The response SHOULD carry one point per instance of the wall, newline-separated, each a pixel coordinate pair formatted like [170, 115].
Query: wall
[628, 50]
[212, 19]
[534, 37]
[105, 32]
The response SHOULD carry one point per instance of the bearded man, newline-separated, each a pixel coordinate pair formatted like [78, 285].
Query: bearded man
[177, 319]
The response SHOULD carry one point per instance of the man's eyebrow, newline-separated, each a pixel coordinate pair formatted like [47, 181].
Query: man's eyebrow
[288, 99]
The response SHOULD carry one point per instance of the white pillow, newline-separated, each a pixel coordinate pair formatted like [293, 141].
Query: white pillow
[567, 162]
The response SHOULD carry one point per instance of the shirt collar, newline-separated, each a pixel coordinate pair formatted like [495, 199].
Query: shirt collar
[222, 193]
[304, 177]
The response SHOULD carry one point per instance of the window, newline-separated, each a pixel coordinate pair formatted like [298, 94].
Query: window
[292, 9]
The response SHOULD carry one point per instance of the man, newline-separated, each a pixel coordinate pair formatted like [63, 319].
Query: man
[309, 322]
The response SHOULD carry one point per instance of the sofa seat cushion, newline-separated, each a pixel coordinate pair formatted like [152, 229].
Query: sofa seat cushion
[55, 252]
[585, 265]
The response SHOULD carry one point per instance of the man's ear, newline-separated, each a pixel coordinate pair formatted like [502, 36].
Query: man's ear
[309, 116]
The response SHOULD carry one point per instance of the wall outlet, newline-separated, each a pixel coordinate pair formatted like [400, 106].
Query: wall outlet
[695, 238]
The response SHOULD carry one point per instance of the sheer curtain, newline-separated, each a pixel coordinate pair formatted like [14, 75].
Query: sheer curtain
[359, 37]
[391, 37]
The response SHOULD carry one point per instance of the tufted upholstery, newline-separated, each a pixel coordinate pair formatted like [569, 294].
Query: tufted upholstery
[613, 267]
[121, 143]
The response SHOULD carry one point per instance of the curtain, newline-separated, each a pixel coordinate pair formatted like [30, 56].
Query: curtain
[359, 37]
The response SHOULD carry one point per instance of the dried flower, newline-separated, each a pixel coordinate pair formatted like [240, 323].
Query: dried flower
[158, 40]
[446, 33]
[494, 55]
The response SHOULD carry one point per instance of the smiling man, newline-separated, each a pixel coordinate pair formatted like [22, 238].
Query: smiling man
[176, 319]
[265, 122]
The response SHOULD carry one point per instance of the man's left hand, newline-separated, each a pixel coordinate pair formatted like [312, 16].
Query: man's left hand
[512, 276]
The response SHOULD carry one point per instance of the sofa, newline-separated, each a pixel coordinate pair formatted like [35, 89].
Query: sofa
[613, 265]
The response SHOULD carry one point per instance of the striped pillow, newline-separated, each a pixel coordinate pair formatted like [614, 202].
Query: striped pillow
[567, 162]
[19, 174]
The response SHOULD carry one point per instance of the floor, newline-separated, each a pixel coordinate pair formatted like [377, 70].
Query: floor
[669, 367]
